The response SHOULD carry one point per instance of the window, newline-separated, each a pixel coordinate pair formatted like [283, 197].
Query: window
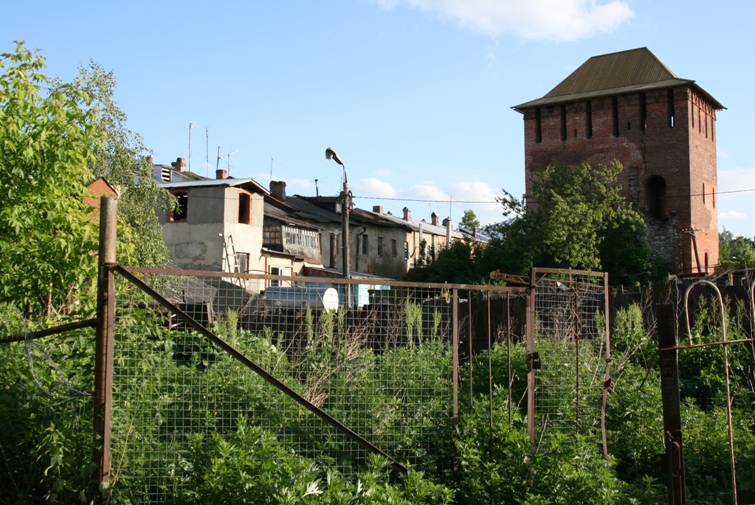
[242, 262]
[365, 245]
[563, 123]
[656, 191]
[333, 247]
[538, 126]
[245, 207]
[406, 250]
[699, 119]
[706, 125]
[275, 271]
[394, 248]
[712, 126]
[703, 193]
[671, 111]
[588, 119]
[706, 262]
[181, 211]
[643, 112]
[615, 114]
[713, 196]
[380, 246]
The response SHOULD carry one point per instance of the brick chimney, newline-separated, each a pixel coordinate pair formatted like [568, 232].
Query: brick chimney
[278, 189]
[221, 173]
[434, 219]
[407, 214]
[179, 164]
[378, 209]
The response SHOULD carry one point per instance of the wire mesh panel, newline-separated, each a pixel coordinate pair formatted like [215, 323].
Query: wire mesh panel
[572, 345]
[379, 363]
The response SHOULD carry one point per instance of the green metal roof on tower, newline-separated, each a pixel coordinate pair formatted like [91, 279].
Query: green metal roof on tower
[629, 71]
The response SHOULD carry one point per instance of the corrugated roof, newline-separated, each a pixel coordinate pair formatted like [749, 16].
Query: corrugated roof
[615, 73]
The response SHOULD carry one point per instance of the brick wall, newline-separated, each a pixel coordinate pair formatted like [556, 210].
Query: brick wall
[680, 154]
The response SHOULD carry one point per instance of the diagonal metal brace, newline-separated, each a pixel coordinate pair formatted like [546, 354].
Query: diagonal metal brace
[86, 323]
[267, 376]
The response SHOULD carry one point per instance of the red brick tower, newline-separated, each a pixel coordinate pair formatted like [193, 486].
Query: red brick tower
[629, 106]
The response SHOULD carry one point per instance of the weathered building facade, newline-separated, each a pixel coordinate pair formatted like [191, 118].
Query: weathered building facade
[628, 106]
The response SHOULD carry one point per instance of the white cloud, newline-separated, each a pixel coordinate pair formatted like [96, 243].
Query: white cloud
[736, 179]
[427, 191]
[529, 19]
[372, 186]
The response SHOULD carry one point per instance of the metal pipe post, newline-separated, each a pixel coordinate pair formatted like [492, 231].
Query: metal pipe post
[103, 368]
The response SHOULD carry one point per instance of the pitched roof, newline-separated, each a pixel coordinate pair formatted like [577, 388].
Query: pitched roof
[628, 71]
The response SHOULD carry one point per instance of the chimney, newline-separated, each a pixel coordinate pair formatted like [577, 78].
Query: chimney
[407, 214]
[221, 173]
[434, 219]
[179, 164]
[378, 209]
[278, 189]
[447, 224]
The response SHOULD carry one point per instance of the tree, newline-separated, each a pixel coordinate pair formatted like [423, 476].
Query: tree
[47, 137]
[120, 157]
[735, 252]
[469, 220]
[576, 217]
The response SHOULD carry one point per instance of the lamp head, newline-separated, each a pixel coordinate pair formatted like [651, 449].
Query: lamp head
[330, 154]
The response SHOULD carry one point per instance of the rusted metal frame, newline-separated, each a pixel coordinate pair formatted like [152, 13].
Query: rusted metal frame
[708, 344]
[607, 376]
[670, 395]
[509, 398]
[266, 376]
[576, 308]
[32, 335]
[455, 358]
[469, 338]
[104, 344]
[531, 380]
[490, 378]
[566, 271]
[332, 280]
[729, 420]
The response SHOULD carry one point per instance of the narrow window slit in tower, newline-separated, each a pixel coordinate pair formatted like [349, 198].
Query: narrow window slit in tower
[538, 126]
[615, 112]
[563, 123]
[671, 112]
[588, 115]
[643, 112]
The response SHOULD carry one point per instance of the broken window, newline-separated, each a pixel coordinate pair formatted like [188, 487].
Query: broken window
[656, 190]
[242, 262]
[181, 211]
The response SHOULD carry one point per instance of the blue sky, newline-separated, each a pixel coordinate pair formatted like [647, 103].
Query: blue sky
[414, 94]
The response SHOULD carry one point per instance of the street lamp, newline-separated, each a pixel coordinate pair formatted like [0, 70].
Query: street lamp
[330, 154]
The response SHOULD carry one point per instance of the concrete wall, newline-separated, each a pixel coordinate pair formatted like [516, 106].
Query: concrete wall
[681, 155]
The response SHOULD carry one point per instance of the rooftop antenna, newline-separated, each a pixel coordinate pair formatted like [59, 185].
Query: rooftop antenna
[217, 160]
[206, 151]
[271, 169]
[317, 190]
[190, 125]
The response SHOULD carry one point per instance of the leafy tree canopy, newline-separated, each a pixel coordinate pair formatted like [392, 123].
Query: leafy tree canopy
[469, 220]
[575, 216]
[735, 252]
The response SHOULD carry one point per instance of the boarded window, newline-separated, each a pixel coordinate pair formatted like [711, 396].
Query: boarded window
[245, 208]
[656, 191]
[181, 211]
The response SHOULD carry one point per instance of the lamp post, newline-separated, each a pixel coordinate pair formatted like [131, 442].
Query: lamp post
[330, 154]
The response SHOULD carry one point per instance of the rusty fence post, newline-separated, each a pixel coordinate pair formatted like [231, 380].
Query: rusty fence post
[532, 360]
[672, 423]
[103, 368]
[607, 375]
